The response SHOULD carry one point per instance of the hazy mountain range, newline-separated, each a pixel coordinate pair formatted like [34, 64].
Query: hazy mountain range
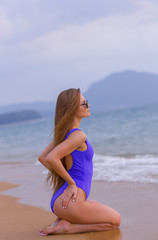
[118, 90]
[122, 90]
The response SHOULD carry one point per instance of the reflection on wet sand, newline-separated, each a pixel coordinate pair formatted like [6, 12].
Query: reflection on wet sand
[105, 235]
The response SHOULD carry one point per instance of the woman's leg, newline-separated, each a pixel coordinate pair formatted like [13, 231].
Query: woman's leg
[65, 227]
[83, 216]
[87, 212]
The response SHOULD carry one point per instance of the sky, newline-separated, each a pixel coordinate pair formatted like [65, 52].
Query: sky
[47, 46]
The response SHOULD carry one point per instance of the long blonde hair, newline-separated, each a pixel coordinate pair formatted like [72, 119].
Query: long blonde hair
[67, 105]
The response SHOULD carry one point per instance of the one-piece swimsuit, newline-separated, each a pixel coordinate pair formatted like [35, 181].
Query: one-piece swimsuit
[81, 170]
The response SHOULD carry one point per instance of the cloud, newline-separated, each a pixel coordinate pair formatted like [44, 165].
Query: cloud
[5, 25]
[118, 34]
[52, 53]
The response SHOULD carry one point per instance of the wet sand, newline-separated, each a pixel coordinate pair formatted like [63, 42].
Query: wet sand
[137, 204]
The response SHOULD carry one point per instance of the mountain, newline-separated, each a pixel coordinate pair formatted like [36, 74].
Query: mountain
[122, 90]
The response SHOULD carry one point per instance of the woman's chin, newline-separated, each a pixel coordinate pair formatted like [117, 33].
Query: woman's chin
[88, 114]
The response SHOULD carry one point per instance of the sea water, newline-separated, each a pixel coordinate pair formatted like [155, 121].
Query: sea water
[125, 143]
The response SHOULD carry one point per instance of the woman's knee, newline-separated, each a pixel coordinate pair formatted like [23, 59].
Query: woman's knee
[117, 220]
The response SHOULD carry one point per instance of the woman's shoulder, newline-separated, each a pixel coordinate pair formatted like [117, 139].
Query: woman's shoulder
[76, 134]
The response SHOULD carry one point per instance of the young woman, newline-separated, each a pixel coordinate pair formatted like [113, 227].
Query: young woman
[69, 161]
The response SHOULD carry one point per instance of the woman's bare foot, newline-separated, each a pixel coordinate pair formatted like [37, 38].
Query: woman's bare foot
[61, 227]
[50, 225]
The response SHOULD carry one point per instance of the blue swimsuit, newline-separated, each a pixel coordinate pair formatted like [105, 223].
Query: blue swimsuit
[81, 170]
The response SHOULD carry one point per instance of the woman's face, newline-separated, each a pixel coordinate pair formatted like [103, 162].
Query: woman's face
[83, 110]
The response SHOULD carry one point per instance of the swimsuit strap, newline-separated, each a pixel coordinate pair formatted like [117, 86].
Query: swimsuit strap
[72, 130]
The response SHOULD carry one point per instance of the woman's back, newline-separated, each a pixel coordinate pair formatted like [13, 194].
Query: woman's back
[81, 170]
[82, 166]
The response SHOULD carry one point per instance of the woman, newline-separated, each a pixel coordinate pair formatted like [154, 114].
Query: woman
[69, 161]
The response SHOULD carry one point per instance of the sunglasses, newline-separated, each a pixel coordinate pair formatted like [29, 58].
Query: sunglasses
[85, 104]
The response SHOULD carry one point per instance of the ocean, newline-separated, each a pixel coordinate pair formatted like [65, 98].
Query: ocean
[125, 143]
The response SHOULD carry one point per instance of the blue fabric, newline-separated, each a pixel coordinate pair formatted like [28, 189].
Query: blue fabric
[81, 170]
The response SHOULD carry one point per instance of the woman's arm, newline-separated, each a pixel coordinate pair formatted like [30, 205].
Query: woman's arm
[43, 155]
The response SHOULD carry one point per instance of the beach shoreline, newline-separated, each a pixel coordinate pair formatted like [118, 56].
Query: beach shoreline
[137, 204]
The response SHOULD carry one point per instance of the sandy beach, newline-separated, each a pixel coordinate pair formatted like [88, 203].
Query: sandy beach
[137, 204]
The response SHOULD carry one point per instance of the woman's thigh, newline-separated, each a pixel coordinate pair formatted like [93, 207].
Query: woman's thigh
[86, 211]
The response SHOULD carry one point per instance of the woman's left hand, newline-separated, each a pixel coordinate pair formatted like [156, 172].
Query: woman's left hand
[70, 192]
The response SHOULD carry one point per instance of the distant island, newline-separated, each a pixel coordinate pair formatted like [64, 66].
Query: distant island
[19, 116]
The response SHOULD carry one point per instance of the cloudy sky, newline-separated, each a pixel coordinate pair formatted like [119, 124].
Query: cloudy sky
[50, 45]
